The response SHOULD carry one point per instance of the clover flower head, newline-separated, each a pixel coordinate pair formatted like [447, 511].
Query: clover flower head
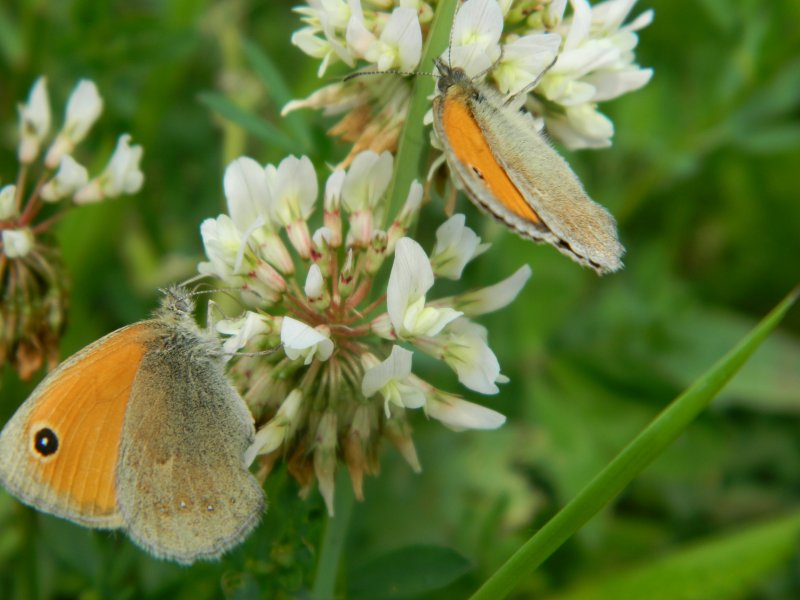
[577, 59]
[339, 377]
[32, 279]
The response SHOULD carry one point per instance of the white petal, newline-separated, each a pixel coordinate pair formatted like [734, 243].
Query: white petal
[314, 287]
[455, 246]
[301, 340]
[71, 176]
[34, 121]
[493, 297]
[459, 414]
[246, 192]
[395, 368]
[17, 242]
[366, 180]
[294, 189]
[8, 202]
[83, 108]
[410, 279]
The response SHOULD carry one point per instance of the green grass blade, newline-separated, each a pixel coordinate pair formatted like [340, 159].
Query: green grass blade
[248, 121]
[649, 444]
[277, 89]
[414, 138]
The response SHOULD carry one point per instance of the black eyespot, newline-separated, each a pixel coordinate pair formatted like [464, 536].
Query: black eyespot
[477, 172]
[45, 442]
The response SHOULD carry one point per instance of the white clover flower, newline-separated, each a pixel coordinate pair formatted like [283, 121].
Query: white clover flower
[17, 242]
[301, 341]
[83, 109]
[458, 414]
[456, 245]
[491, 298]
[247, 193]
[70, 177]
[271, 436]
[475, 38]
[8, 202]
[293, 186]
[243, 330]
[361, 392]
[363, 186]
[410, 279]
[464, 348]
[121, 176]
[400, 43]
[593, 45]
[34, 122]
[224, 247]
[391, 379]
[524, 59]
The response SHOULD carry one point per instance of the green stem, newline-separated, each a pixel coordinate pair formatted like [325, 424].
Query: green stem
[648, 445]
[333, 540]
[414, 139]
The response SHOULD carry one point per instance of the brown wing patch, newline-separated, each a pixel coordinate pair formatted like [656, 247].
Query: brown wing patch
[84, 408]
[470, 147]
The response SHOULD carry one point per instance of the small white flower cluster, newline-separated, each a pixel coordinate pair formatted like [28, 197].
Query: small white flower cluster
[590, 55]
[349, 31]
[63, 177]
[344, 377]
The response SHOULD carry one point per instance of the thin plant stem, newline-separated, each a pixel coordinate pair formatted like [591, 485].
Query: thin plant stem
[634, 458]
[413, 139]
[333, 541]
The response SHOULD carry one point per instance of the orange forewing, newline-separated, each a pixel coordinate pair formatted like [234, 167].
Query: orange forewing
[85, 405]
[470, 147]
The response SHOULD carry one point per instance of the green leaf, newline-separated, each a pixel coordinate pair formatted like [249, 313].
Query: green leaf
[719, 567]
[278, 90]
[248, 121]
[635, 457]
[407, 572]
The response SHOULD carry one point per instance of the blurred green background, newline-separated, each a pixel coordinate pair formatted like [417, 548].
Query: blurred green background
[703, 177]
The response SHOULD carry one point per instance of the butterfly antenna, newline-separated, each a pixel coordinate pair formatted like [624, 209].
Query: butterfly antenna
[532, 84]
[388, 72]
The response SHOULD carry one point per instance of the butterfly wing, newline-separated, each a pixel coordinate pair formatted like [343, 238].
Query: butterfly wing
[510, 171]
[184, 491]
[581, 228]
[59, 451]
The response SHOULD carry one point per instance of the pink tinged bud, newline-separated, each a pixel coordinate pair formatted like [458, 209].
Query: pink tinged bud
[332, 217]
[321, 250]
[316, 290]
[270, 277]
[408, 214]
[300, 238]
[272, 249]
[376, 253]
[34, 122]
[347, 276]
[325, 457]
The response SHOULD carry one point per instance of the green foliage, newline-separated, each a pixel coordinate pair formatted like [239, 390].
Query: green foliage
[703, 178]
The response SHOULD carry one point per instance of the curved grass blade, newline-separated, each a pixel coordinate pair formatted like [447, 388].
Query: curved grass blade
[251, 123]
[634, 458]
